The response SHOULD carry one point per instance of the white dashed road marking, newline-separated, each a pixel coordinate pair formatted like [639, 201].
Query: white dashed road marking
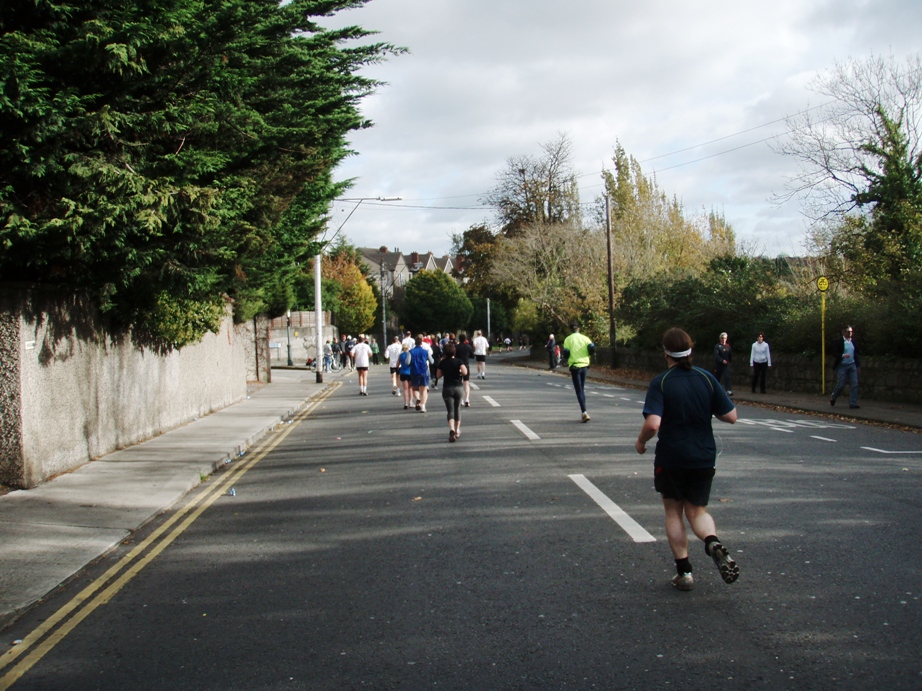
[813, 436]
[871, 448]
[628, 524]
[524, 430]
[491, 401]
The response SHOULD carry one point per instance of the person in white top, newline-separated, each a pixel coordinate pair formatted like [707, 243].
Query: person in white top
[760, 359]
[393, 355]
[481, 346]
[361, 354]
[409, 341]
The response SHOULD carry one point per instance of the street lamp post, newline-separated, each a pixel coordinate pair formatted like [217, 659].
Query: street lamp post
[318, 304]
[383, 304]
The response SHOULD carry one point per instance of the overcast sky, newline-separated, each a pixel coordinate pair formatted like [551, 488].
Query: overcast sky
[690, 89]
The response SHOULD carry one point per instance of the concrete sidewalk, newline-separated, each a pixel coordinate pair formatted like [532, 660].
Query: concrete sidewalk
[49, 533]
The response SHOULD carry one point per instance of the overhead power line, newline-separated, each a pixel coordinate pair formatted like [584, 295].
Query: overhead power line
[646, 160]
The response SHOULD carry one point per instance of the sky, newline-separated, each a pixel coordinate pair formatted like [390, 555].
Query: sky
[695, 91]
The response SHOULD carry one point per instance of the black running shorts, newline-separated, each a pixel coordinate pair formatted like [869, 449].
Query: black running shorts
[684, 484]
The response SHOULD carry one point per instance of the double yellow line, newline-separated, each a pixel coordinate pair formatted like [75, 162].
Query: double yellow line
[44, 638]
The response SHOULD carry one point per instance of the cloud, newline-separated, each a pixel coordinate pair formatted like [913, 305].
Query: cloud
[487, 80]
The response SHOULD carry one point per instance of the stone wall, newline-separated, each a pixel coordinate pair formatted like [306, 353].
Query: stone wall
[71, 394]
[303, 326]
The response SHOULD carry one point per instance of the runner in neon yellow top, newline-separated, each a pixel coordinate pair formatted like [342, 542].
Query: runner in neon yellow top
[580, 348]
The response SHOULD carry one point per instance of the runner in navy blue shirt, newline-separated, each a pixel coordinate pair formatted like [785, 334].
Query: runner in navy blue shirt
[679, 405]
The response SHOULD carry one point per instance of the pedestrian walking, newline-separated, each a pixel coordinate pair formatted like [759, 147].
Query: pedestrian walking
[678, 409]
[723, 356]
[579, 350]
[393, 355]
[846, 366]
[451, 371]
[361, 353]
[464, 351]
[551, 348]
[760, 359]
[419, 374]
[481, 347]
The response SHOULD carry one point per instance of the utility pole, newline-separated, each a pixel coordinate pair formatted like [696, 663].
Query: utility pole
[383, 306]
[318, 316]
[611, 283]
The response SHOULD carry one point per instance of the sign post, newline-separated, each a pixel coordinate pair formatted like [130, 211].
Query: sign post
[823, 284]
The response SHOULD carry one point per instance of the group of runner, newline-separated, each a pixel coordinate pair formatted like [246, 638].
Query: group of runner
[678, 409]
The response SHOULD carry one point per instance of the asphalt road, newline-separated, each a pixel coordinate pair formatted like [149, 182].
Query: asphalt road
[363, 550]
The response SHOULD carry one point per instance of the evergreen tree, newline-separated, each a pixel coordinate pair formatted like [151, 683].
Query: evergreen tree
[433, 302]
[155, 155]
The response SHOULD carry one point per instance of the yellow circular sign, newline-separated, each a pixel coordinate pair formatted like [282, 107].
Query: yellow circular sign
[822, 283]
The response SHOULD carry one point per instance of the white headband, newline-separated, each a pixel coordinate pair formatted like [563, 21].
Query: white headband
[680, 354]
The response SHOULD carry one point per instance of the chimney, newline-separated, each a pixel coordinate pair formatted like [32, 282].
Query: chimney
[382, 249]
[414, 258]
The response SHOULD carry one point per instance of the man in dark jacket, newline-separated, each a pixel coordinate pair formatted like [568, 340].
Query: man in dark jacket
[846, 365]
[551, 349]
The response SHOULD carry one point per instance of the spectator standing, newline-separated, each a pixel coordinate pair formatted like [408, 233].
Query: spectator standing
[846, 366]
[327, 356]
[451, 370]
[361, 353]
[760, 359]
[375, 350]
[723, 356]
[481, 347]
[579, 349]
[678, 409]
[551, 348]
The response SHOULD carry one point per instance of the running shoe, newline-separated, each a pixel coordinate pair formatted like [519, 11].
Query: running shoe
[417, 405]
[422, 409]
[729, 571]
[467, 404]
[684, 581]
[451, 435]
[586, 417]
